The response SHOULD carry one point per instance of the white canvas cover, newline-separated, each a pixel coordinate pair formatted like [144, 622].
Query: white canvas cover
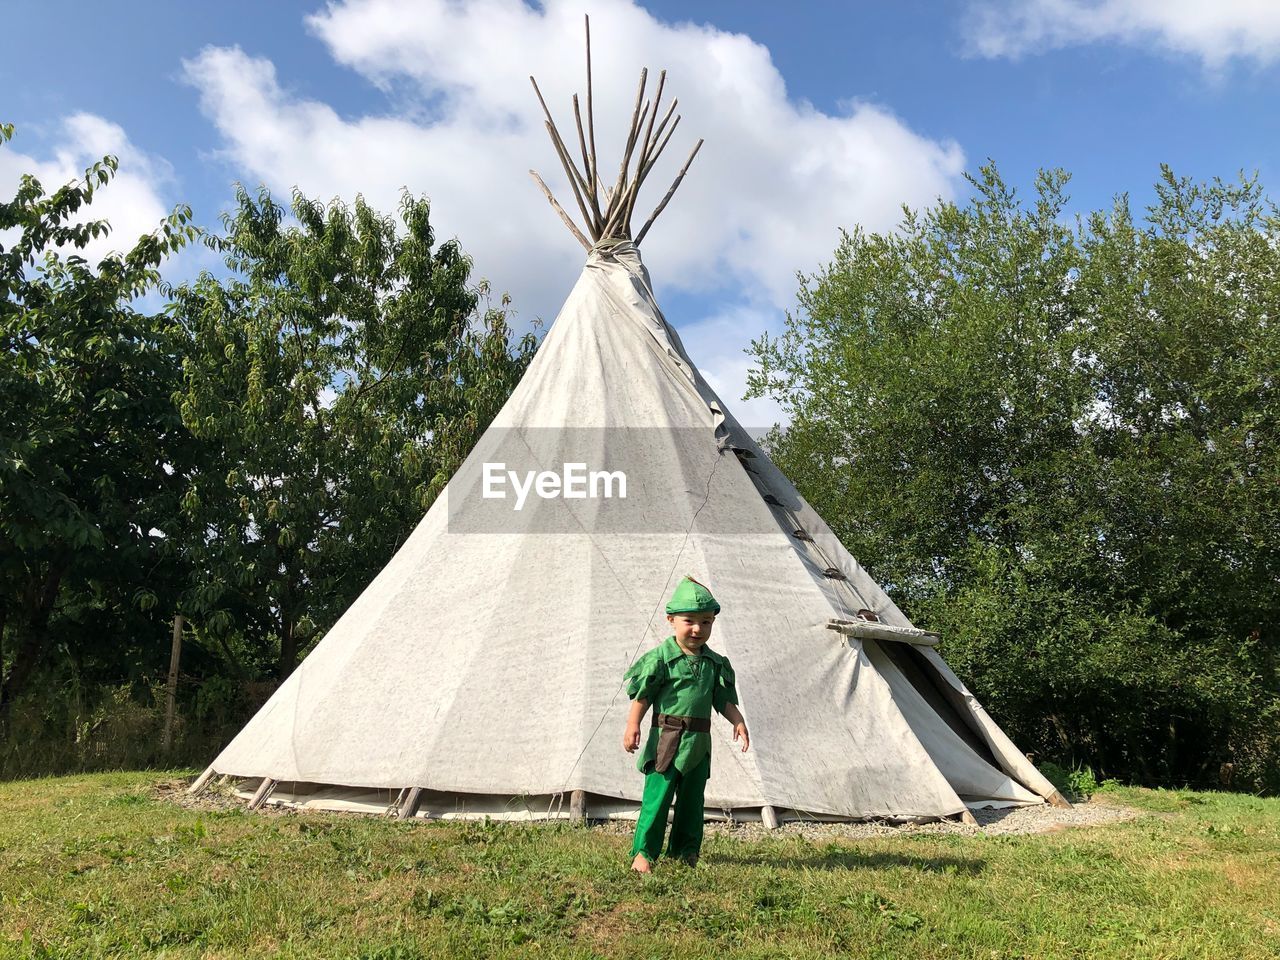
[486, 659]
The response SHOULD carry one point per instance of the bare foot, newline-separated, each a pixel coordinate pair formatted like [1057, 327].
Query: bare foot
[640, 864]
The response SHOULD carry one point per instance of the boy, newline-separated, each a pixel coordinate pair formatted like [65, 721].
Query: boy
[684, 681]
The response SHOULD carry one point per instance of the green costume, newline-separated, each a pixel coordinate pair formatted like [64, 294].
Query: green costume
[682, 690]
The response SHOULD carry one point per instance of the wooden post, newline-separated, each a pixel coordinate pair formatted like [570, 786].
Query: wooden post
[1058, 800]
[968, 817]
[409, 808]
[264, 791]
[578, 806]
[202, 781]
[171, 688]
[769, 817]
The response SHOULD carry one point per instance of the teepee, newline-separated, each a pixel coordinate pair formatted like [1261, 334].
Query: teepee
[480, 673]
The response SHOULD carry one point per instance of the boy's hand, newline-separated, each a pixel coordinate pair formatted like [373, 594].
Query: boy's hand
[631, 738]
[740, 730]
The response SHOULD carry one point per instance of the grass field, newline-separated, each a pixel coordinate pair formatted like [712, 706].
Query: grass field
[98, 866]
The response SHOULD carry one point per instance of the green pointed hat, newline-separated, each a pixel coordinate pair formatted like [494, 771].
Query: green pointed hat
[692, 597]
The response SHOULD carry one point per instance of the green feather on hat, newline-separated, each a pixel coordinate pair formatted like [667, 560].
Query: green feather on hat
[692, 597]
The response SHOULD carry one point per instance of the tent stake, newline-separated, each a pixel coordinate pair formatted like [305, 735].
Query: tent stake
[393, 809]
[264, 791]
[409, 808]
[202, 781]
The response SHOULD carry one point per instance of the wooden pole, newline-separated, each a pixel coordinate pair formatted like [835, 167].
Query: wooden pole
[573, 227]
[646, 144]
[634, 141]
[608, 211]
[769, 817]
[411, 803]
[171, 688]
[593, 192]
[567, 163]
[653, 157]
[202, 781]
[657, 100]
[670, 193]
[621, 209]
[591, 120]
[578, 806]
[631, 142]
[570, 168]
[1058, 800]
[264, 791]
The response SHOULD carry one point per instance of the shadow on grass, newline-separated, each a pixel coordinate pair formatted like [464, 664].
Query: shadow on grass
[848, 860]
[986, 816]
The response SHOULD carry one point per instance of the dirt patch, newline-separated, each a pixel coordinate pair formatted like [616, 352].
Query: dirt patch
[1009, 821]
[606, 931]
[216, 796]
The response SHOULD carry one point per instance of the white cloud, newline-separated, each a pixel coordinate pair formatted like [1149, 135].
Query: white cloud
[131, 203]
[1215, 32]
[774, 181]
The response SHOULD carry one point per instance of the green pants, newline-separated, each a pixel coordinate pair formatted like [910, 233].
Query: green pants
[686, 826]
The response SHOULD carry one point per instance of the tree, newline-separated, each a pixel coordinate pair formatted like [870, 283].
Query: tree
[89, 438]
[342, 372]
[1058, 445]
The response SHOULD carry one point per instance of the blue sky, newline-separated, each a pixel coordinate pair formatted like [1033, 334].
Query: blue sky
[819, 117]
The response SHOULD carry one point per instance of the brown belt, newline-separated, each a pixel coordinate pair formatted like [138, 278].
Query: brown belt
[669, 721]
[672, 729]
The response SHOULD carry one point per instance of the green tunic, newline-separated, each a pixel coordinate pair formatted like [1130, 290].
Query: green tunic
[685, 686]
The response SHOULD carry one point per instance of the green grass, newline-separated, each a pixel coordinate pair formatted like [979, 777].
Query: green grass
[96, 866]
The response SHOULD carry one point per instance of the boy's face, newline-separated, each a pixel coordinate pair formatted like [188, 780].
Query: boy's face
[691, 630]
